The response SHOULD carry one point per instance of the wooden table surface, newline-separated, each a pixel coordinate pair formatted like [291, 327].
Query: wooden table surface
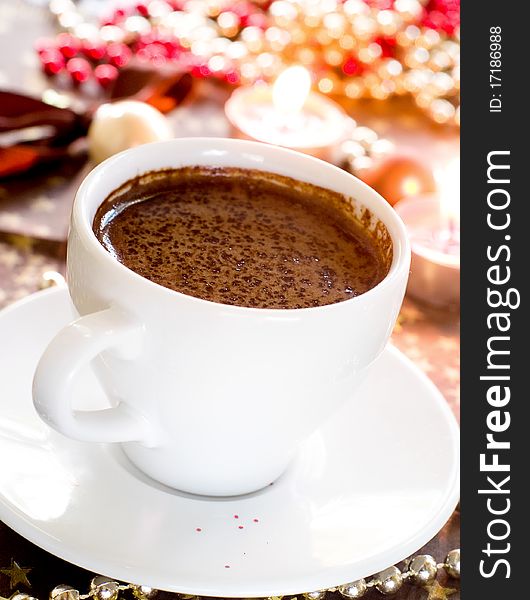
[33, 223]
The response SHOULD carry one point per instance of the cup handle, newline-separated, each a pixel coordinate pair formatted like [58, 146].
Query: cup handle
[72, 348]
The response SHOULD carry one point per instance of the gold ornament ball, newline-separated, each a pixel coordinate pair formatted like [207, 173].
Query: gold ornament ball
[354, 89]
[283, 12]
[399, 177]
[452, 563]
[22, 596]
[353, 8]
[121, 125]
[442, 111]
[228, 23]
[423, 569]
[408, 10]
[389, 581]
[355, 589]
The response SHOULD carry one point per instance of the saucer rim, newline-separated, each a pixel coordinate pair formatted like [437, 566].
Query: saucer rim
[18, 521]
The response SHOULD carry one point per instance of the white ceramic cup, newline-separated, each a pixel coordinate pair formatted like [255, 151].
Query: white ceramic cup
[209, 398]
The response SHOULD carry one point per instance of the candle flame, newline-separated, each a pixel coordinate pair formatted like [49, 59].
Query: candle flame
[291, 89]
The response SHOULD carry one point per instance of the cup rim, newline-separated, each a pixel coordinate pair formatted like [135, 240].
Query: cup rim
[397, 231]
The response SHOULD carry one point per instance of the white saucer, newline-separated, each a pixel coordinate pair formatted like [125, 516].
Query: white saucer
[368, 489]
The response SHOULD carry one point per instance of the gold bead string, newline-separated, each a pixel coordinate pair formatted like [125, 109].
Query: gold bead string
[421, 570]
[425, 64]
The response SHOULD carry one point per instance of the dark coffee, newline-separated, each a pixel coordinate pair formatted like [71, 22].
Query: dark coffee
[243, 237]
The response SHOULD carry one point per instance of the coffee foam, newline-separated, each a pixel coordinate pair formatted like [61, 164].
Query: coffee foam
[244, 237]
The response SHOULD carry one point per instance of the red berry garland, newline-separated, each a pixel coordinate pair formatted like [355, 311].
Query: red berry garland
[356, 48]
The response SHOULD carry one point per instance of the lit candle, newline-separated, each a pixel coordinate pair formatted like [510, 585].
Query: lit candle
[288, 114]
[433, 223]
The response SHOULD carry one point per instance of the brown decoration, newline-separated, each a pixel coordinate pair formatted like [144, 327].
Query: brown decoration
[16, 574]
[400, 177]
[63, 127]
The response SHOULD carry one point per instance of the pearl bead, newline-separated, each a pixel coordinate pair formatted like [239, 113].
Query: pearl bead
[137, 25]
[452, 563]
[389, 581]
[125, 124]
[423, 569]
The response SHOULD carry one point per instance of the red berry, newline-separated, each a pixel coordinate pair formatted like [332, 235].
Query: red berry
[232, 77]
[200, 71]
[141, 8]
[119, 54]
[173, 49]
[106, 74]
[79, 69]
[94, 50]
[68, 45]
[351, 66]
[388, 46]
[52, 61]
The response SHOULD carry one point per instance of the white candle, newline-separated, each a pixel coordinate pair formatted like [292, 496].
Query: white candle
[433, 223]
[288, 114]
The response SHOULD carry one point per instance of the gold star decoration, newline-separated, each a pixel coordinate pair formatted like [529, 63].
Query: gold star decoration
[17, 574]
[438, 592]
